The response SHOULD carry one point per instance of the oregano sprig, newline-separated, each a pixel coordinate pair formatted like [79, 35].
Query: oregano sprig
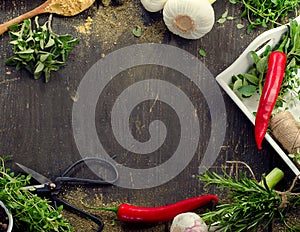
[38, 49]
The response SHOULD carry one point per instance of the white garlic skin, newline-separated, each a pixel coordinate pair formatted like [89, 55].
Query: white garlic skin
[188, 222]
[153, 5]
[199, 15]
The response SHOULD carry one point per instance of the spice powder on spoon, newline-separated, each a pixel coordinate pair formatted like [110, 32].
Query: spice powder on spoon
[68, 7]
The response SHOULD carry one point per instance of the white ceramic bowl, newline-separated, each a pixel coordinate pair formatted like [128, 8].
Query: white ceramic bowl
[10, 218]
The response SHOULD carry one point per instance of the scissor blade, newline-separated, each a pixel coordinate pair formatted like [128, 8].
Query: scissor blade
[37, 176]
[33, 187]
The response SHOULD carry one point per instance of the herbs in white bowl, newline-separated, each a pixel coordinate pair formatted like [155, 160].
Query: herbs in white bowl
[251, 83]
[38, 49]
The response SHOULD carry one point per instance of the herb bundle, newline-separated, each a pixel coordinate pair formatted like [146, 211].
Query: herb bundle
[30, 212]
[268, 13]
[251, 204]
[37, 49]
[252, 82]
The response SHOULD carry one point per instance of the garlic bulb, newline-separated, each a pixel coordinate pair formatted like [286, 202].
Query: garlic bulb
[153, 5]
[188, 222]
[190, 19]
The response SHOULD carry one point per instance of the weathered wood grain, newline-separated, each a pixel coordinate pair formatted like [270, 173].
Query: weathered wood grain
[36, 118]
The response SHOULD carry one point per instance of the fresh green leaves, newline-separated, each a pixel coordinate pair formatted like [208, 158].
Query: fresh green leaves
[30, 212]
[37, 49]
[244, 84]
[252, 82]
[296, 156]
[202, 52]
[239, 26]
[225, 17]
[268, 13]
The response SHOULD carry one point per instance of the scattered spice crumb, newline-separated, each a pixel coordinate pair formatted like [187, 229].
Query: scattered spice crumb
[86, 28]
[109, 25]
[7, 81]
[94, 197]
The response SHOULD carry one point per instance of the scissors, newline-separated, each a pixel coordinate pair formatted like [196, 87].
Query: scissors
[53, 188]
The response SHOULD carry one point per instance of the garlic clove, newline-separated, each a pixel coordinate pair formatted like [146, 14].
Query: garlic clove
[190, 19]
[153, 5]
[189, 221]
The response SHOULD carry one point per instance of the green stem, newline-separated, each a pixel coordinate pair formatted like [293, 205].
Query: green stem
[112, 209]
[49, 23]
[282, 45]
[273, 178]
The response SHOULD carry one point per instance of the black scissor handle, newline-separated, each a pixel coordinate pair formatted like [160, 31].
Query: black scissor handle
[65, 178]
[78, 211]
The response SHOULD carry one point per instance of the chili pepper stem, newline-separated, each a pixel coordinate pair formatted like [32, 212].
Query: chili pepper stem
[111, 209]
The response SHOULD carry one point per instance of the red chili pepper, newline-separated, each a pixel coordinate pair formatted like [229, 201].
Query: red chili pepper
[274, 77]
[130, 213]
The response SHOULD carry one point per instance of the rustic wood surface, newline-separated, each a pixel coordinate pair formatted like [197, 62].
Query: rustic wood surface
[36, 118]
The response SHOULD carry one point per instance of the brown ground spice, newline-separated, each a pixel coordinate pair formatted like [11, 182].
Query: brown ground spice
[112, 25]
[68, 7]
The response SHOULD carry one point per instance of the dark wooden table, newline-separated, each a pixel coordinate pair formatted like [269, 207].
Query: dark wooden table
[36, 118]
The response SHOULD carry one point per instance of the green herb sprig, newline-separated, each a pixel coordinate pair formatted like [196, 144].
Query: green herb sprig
[268, 13]
[38, 49]
[252, 82]
[296, 156]
[30, 212]
[250, 204]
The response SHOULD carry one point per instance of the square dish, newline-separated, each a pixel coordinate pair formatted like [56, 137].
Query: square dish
[249, 105]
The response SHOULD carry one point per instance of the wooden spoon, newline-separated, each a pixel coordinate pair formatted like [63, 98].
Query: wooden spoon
[60, 7]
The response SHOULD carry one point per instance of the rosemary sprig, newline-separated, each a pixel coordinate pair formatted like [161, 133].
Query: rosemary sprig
[38, 49]
[251, 204]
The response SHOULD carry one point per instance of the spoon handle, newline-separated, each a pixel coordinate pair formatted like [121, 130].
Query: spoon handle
[38, 10]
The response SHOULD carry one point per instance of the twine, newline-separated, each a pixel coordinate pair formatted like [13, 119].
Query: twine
[286, 131]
